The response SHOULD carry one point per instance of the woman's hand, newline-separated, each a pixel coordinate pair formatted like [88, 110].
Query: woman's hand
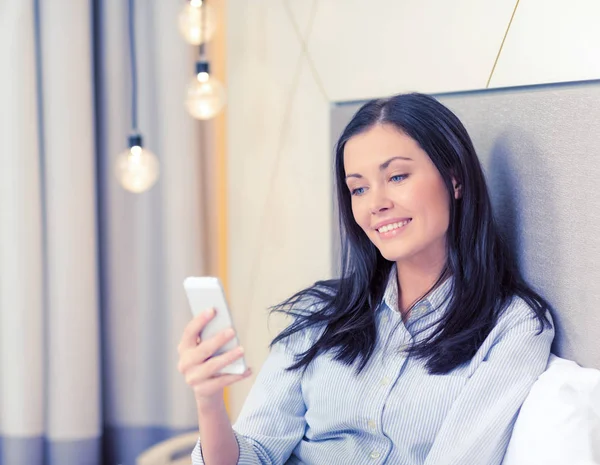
[200, 368]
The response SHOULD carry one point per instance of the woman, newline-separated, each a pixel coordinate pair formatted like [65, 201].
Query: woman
[425, 348]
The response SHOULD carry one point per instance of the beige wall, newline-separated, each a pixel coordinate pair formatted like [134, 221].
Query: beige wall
[289, 60]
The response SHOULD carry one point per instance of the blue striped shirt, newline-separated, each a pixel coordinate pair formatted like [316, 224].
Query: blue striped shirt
[394, 411]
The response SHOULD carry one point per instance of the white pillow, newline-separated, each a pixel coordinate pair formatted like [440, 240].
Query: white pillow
[559, 422]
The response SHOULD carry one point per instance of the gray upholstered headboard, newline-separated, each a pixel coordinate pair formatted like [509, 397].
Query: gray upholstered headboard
[540, 148]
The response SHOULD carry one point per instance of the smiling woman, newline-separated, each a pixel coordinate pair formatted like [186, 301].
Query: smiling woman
[401, 203]
[438, 185]
[425, 348]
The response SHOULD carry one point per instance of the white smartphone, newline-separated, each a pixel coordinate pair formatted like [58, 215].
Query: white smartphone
[207, 292]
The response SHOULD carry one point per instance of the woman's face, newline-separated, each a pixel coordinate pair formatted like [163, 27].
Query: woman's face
[398, 196]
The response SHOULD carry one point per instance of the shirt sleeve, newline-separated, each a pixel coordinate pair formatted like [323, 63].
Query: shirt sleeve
[479, 424]
[271, 423]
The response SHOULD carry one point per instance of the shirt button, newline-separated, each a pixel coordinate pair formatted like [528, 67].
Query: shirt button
[385, 381]
[375, 454]
[372, 424]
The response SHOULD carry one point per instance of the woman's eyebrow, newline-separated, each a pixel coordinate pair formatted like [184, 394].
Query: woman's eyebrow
[383, 166]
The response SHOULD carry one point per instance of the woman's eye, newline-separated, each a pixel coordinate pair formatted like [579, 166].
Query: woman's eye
[398, 177]
[357, 191]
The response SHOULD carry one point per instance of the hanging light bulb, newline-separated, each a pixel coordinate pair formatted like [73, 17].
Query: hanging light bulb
[197, 22]
[206, 96]
[136, 169]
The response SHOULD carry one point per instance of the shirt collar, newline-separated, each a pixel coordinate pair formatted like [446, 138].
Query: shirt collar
[437, 300]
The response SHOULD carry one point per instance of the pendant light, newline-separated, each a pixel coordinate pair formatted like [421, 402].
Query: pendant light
[205, 96]
[136, 168]
[197, 22]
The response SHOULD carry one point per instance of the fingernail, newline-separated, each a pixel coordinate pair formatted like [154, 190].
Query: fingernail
[209, 312]
[229, 332]
[240, 350]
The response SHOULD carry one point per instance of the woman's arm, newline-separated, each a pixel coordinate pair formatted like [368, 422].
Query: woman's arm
[479, 425]
[271, 423]
[200, 367]
[219, 443]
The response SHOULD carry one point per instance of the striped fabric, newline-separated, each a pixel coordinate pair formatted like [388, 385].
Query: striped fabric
[394, 411]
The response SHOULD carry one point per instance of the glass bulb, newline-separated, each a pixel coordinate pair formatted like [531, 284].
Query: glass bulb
[206, 97]
[191, 22]
[137, 169]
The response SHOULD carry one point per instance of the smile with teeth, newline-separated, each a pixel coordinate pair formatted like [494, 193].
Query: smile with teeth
[391, 227]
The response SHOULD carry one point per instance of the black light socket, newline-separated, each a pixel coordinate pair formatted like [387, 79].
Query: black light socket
[135, 140]
[202, 67]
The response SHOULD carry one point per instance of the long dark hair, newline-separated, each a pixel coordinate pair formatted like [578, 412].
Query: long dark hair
[485, 272]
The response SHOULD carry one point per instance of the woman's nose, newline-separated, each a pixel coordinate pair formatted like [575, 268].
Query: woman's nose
[380, 201]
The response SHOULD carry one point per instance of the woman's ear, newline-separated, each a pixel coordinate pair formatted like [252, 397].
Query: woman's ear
[457, 188]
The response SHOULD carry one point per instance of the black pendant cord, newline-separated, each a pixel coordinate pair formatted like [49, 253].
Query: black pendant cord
[133, 63]
[202, 50]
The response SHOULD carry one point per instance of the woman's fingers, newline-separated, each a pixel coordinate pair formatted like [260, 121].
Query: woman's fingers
[215, 364]
[198, 363]
[204, 350]
[191, 332]
[211, 368]
[210, 386]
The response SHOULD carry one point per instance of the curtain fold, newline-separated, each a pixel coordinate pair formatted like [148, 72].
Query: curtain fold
[21, 241]
[66, 103]
[91, 297]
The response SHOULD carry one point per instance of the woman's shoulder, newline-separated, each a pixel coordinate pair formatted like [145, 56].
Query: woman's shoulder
[518, 325]
[524, 316]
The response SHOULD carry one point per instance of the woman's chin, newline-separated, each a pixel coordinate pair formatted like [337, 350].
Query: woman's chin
[394, 255]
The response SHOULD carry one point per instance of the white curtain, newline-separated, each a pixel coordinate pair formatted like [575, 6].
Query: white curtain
[91, 301]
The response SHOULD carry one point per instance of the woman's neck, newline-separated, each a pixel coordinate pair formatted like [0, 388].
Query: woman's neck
[414, 282]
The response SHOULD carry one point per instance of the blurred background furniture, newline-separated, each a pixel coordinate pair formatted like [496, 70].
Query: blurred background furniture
[174, 451]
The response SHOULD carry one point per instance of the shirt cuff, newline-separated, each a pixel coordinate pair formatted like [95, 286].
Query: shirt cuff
[197, 454]
[247, 455]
